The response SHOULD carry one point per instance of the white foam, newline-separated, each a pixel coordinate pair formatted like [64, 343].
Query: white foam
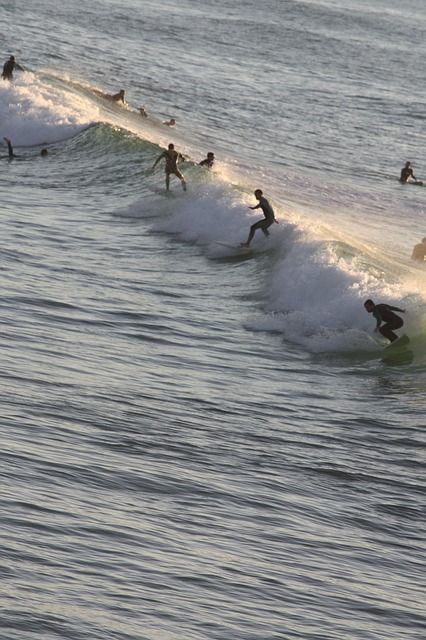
[33, 112]
[316, 286]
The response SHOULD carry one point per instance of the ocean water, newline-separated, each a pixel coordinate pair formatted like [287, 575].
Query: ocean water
[200, 442]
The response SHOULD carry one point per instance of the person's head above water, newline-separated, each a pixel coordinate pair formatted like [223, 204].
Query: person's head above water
[369, 305]
[258, 193]
[44, 152]
[210, 155]
[171, 146]
[408, 164]
[12, 58]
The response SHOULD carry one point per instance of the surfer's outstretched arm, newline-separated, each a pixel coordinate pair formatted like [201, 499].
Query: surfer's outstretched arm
[9, 148]
[158, 160]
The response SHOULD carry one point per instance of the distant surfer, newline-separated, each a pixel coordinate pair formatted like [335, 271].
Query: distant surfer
[43, 152]
[209, 161]
[264, 224]
[419, 251]
[117, 97]
[407, 173]
[143, 112]
[171, 156]
[385, 313]
[113, 97]
[9, 148]
[170, 123]
[9, 67]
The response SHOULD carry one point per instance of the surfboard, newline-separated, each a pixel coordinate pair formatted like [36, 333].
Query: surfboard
[399, 343]
[165, 193]
[236, 247]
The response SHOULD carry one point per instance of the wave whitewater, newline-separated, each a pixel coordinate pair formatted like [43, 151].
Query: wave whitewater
[314, 281]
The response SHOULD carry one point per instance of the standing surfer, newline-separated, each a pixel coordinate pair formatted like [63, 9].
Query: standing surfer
[384, 313]
[171, 156]
[8, 68]
[264, 224]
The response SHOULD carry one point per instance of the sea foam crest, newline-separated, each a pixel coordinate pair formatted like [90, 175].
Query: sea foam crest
[314, 287]
[33, 112]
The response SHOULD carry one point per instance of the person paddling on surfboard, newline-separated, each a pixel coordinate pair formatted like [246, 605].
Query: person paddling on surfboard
[116, 97]
[113, 97]
[406, 173]
[171, 157]
[269, 219]
[384, 313]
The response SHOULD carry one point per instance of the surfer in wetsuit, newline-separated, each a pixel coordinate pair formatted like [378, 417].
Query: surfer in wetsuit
[9, 148]
[269, 218]
[209, 161]
[384, 313]
[171, 157]
[8, 68]
[12, 154]
[407, 172]
[117, 97]
[113, 97]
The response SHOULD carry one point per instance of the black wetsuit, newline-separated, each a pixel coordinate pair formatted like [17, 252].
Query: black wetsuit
[10, 149]
[8, 68]
[269, 219]
[207, 162]
[407, 172]
[117, 97]
[384, 313]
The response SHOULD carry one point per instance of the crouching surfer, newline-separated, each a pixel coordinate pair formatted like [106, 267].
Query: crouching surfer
[384, 313]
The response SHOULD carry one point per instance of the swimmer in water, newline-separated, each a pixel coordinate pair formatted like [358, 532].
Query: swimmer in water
[209, 161]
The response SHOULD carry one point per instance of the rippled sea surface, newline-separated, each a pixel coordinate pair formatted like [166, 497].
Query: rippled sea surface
[198, 443]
